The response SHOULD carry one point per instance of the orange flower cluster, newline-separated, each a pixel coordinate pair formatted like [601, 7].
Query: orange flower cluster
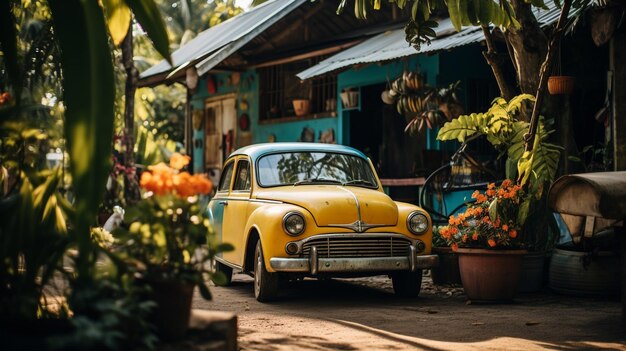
[162, 179]
[477, 227]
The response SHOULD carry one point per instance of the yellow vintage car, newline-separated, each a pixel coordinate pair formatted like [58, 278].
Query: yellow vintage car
[295, 210]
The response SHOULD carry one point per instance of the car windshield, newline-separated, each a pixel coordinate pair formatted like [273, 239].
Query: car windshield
[300, 168]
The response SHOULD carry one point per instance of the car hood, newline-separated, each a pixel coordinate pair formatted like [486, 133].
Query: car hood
[339, 206]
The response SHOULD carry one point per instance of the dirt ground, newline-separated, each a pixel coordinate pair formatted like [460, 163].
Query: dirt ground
[363, 314]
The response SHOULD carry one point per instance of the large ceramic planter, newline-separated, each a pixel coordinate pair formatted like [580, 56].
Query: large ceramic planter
[173, 300]
[578, 273]
[531, 277]
[447, 272]
[490, 275]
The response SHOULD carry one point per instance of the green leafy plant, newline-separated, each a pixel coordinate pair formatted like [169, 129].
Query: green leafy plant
[167, 234]
[534, 170]
[501, 126]
[33, 239]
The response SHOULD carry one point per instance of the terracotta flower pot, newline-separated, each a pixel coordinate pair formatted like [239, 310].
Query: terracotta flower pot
[301, 107]
[490, 275]
[448, 270]
[173, 300]
[558, 85]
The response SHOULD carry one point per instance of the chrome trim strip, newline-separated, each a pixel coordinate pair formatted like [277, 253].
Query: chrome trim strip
[250, 200]
[266, 201]
[375, 264]
[412, 256]
[313, 261]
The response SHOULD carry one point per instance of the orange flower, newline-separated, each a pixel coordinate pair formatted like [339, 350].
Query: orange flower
[475, 236]
[475, 194]
[464, 238]
[178, 161]
[480, 198]
[505, 227]
[445, 233]
[454, 247]
[513, 233]
[491, 242]
[491, 185]
[486, 219]
[506, 183]
[160, 168]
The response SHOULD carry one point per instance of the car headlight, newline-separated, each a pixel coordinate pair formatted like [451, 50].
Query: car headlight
[293, 223]
[417, 223]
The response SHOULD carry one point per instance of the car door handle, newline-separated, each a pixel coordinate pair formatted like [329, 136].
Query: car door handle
[225, 203]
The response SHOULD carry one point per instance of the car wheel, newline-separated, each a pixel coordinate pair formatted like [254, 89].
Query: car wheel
[407, 283]
[265, 283]
[226, 270]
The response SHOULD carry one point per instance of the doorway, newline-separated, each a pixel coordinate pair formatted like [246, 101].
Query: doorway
[378, 130]
[220, 129]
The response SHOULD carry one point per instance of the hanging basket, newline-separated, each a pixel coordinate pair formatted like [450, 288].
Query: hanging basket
[561, 85]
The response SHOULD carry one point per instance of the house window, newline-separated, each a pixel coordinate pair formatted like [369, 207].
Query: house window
[279, 86]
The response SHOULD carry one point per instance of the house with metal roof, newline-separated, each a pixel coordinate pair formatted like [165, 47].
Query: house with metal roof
[294, 70]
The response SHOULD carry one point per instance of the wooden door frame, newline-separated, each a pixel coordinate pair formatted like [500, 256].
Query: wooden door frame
[211, 101]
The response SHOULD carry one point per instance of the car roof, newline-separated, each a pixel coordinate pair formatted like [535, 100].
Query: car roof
[257, 150]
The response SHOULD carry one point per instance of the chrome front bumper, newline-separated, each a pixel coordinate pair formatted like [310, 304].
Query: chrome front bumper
[315, 264]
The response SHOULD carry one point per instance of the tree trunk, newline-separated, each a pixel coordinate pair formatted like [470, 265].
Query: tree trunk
[131, 187]
[529, 44]
[495, 61]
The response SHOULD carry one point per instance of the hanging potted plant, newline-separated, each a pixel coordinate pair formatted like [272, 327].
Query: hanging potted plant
[486, 238]
[561, 85]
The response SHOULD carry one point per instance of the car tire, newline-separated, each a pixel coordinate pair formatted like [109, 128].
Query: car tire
[265, 283]
[407, 283]
[226, 270]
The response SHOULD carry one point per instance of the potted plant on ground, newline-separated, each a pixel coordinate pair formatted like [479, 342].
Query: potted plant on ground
[486, 238]
[533, 171]
[167, 237]
[447, 272]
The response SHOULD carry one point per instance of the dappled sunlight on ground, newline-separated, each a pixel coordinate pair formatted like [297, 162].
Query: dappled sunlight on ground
[363, 314]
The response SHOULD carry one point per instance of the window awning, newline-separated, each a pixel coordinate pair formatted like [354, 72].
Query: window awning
[392, 45]
[215, 44]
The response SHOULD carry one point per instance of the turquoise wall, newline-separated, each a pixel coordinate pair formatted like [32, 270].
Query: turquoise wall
[248, 89]
[439, 69]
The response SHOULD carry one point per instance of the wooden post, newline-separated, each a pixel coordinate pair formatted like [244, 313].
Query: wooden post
[617, 59]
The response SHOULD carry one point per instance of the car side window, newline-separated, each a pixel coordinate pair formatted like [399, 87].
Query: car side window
[242, 177]
[227, 175]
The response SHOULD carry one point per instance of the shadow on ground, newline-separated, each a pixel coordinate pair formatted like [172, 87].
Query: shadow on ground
[351, 314]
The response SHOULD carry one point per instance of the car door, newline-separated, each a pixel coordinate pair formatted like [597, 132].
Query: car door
[220, 201]
[236, 211]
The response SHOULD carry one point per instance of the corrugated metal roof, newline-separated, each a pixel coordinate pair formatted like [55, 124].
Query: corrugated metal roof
[225, 38]
[392, 45]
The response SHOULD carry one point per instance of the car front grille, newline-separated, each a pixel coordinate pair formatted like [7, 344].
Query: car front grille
[334, 247]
